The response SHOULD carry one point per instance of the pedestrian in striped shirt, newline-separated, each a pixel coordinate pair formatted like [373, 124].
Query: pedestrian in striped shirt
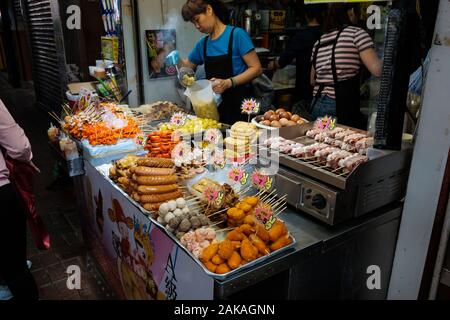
[336, 62]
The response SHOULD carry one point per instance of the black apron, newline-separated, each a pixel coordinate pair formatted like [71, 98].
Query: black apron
[221, 67]
[347, 92]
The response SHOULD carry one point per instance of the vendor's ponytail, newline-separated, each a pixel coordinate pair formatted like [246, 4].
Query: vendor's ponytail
[194, 7]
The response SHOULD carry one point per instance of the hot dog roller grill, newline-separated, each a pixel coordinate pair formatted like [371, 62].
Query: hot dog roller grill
[334, 197]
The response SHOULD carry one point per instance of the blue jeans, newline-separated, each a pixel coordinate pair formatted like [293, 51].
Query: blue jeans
[324, 106]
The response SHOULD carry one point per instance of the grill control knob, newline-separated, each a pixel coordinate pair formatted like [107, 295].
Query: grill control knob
[319, 201]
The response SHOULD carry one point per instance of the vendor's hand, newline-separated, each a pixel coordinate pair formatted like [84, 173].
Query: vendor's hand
[220, 85]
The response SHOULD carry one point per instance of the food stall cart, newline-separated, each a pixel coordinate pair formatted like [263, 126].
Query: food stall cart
[140, 259]
[325, 262]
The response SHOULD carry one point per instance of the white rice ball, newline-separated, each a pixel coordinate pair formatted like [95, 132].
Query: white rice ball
[164, 209]
[178, 212]
[172, 205]
[181, 203]
[161, 220]
[168, 217]
[185, 210]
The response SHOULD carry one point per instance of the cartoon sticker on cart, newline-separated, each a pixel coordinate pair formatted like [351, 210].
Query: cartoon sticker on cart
[135, 256]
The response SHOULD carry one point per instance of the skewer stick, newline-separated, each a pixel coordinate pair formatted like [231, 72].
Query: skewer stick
[215, 224]
[220, 211]
[283, 198]
[260, 192]
[267, 196]
[280, 211]
[244, 191]
[278, 205]
[225, 229]
[335, 170]
[58, 120]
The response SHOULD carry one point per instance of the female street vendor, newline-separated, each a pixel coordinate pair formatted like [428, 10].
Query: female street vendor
[337, 59]
[227, 53]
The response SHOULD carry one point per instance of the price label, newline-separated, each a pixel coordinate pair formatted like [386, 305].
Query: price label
[213, 196]
[238, 175]
[261, 181]
[326, 123]
[265, 215]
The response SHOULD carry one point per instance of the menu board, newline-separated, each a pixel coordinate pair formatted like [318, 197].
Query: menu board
[277, 20]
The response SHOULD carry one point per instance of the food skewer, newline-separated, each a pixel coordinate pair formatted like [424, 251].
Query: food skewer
[280, 211]
[215, 225]
[283, 198]
[278, 205]
[267, 196]
[220, 211]
[225, 229]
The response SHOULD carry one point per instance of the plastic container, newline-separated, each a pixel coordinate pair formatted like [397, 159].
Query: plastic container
[72, 98]
[203, 101]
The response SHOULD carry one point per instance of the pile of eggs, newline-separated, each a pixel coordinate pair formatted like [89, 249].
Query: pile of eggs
[281, 118]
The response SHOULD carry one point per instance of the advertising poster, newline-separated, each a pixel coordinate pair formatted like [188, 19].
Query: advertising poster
[159, 44]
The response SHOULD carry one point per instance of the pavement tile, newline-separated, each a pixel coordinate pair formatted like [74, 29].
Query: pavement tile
[48, 258]
[41, 277]
[57, 272]
[56, 204]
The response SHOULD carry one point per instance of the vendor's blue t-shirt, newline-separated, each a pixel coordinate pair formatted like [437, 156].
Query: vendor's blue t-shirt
[242, 44]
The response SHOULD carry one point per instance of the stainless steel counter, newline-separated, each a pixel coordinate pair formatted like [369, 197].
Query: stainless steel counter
[314, 241]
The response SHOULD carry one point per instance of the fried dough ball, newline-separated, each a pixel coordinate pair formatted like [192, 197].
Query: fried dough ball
[209, 252]
[246, 207]
[262, 233]
[253, 201]
[283, 241]
[259, 244]
[236, 244]
[250, 220]
[246, 229]
[248, 251]
[210, 266]
[217, 259]
[234, 261]
[278, 229]
[238, 215]
[223, 268]
[225, 249]
[235, 235]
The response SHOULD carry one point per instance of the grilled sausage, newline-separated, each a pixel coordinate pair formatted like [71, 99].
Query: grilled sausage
[155, 162]
[157, 189]
[152, 206]
[146, 171]
[153, 198]
[155, 180]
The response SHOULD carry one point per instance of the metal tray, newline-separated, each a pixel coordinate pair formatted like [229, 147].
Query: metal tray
[247, 265]
[257, 119]
[175, 239]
